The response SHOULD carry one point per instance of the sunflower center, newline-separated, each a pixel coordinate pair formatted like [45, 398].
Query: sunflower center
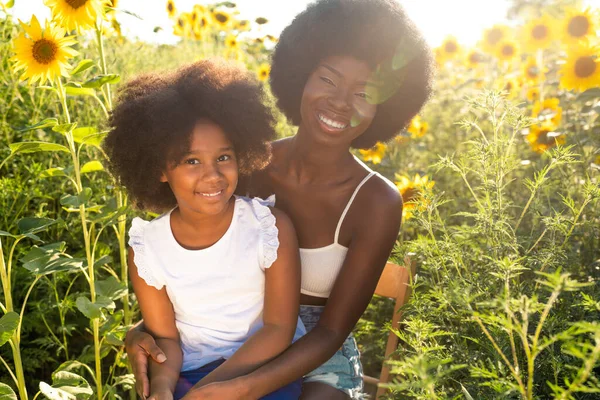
[533, 72]
[170, 7]
[539, 32]
[474, 58]
[508, 50]
[44, 51]
[545, 137]
[222, 18]
[578, 26]
[180, 22]
[451, 47]
[76, 3]
[585, 67]
[494, 36]
[508, 87]
[411, 195]
[263, 73]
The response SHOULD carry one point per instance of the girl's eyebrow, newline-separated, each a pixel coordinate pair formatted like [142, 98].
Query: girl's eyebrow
[228, 148]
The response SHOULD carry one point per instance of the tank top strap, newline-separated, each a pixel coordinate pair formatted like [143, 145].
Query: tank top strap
[339, 225]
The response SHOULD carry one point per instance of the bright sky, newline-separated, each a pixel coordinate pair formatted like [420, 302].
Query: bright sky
[465, 19]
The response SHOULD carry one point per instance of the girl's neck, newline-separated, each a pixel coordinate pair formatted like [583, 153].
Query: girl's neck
[197, 231]
[311, 162]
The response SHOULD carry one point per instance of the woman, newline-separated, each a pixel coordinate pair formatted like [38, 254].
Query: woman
[348, 73]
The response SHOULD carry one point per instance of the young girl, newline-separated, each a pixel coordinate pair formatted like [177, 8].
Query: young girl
[216, 275]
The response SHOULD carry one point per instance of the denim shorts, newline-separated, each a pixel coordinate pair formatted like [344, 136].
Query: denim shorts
[343, 371]
[187, 379]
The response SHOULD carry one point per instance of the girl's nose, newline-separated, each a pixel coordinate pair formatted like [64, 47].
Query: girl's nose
[212, 173]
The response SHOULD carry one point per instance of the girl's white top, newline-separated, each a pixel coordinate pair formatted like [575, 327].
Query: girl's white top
[218, 292]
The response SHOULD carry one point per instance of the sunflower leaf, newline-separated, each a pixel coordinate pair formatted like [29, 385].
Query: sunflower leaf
[101, 80]
[82, 66]
[92, 166]
[35, 225]
[45, 123]
[6, 392]
[35, 147]
[75, 89]
[52, 172]
[8, 324]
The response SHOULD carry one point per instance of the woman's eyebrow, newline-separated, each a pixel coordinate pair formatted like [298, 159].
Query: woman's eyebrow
[361, 83]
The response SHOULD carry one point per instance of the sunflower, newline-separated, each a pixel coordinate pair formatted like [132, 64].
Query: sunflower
[493, 36]
[243, 25]
[578, 25]
[473, 58]
[182, 25]
[581, 70]
[171, 9]
[533, 93]
[202, 23]
[200, 9]
[449, 48]
[43, 55]
[417, 128]
[375, 154]
[538, 33]
[263, 72]
[532, 71]
[231, 42]
[221, 18]
[543, 137]
[548, 110]
[261, 20]
[412, 192]
[507, 50]
[76, 14]
[510, 86]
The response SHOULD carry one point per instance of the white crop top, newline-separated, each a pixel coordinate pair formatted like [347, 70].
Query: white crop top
[218, 292]
[321, 266]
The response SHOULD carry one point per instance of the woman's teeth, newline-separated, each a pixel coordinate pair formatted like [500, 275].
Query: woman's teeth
[331, 123]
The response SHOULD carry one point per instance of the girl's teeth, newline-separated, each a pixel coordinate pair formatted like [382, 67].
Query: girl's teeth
[211, 194]
[332, 123]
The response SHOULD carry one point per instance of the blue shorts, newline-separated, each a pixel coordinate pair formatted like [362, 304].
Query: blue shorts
[187, 379]
[343, 371]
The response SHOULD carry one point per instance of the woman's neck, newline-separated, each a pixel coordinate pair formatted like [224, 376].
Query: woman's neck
[311, 162]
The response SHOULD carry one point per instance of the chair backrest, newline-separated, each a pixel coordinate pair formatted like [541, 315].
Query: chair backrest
[394, 283]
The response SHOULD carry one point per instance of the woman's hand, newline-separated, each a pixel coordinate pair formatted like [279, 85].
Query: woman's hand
[230, 390]
[139, 345]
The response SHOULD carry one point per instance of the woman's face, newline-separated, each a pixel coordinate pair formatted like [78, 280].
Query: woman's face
[335, 106]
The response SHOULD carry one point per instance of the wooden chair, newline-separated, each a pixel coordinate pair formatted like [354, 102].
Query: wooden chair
[394, 283]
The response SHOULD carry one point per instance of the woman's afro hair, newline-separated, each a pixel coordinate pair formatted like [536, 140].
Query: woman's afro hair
[151, 126]
[377, 32]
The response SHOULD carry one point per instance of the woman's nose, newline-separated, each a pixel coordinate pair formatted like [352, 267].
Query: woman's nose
[339, 100]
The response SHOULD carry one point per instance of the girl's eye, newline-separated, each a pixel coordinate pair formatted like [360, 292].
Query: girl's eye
[191, 161]
[327, 80]
[224, 157]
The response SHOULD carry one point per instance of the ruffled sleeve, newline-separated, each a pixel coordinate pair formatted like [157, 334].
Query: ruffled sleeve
[269, 234]
[145, 269]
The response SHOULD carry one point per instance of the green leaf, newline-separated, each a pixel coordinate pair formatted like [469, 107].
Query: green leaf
[54, 393]
[4, 233]
[113, 339]
[64, 128]
[72, 384]
[94, 140]
[8, 325]
[75, 89]
[590, 94]
[49, 259]
[82, 66]
[100, 80]
[75, 201]
[34, 225]
[6, 392]
[94, 310]
[92, 166]
[48, 122]
[9, 4]
[111, 288]
[52, 172]
[35, 147]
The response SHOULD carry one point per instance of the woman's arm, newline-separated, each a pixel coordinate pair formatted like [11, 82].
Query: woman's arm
[159, 321]
[373, 239]
[280, 314]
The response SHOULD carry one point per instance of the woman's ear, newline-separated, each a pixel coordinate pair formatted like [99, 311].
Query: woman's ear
[163, 177]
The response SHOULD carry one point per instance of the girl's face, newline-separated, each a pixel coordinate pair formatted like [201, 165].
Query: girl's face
[205, 178]
[335, 105]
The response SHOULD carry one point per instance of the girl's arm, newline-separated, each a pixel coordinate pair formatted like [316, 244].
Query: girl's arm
[280, 314]
[372, 241]
[159, 321]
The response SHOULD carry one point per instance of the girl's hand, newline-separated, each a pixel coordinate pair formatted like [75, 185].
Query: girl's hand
[161, 395]
[230, 390]
[139, 346]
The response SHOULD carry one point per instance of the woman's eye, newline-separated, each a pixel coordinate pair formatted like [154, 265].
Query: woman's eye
[362, 95]
[224, 157]
[327, 80]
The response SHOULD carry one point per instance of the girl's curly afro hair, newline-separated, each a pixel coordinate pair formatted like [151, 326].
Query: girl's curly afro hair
[377, 32]
[151, 126]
